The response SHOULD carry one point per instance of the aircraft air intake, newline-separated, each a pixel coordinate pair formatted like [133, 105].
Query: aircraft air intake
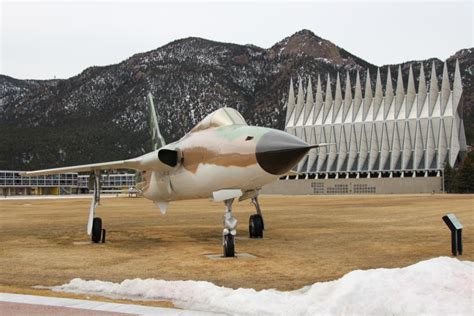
[168, 156]
[161, 160]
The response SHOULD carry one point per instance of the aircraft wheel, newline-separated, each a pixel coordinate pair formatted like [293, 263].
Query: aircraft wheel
[229, 248]
[256, 226]
[96, 230]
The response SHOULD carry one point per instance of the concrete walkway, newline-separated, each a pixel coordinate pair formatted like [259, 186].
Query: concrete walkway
[17, 304]
[54, 197]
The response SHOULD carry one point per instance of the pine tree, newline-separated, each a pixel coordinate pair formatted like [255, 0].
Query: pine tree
[465, 175]
[449, 178]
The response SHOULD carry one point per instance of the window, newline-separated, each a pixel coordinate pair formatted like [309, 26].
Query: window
[338, 189]
[318, 188]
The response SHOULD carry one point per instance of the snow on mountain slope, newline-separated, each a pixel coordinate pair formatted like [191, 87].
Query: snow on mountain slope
[100, 114]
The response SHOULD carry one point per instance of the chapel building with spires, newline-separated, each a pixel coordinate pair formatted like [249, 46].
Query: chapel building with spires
[386, 132]
[391, 139]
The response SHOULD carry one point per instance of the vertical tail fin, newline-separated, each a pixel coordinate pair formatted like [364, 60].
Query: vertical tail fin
[157, 139]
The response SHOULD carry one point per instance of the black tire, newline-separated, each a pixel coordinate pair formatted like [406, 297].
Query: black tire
[229, 247]
[256, 226]
[96, 230]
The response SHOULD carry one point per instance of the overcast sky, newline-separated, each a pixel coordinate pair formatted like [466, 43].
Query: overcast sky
[42, 40]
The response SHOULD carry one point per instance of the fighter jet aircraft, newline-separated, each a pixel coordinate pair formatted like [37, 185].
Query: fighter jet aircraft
[221, 158]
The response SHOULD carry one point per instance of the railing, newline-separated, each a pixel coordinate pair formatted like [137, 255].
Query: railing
[13, 179]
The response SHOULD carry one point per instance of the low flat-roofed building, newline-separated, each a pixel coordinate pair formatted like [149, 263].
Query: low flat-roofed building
[11, 183]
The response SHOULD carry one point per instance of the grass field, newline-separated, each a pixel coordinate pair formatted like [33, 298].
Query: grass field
[307, 239]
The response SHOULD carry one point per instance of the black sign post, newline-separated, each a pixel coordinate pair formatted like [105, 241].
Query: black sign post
[456, 233]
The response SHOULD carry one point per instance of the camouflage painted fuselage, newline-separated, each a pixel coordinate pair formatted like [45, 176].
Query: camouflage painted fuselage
[221, 153]
[211, 160]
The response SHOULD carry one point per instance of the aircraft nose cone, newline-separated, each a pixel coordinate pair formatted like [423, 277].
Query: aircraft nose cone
[277, 152]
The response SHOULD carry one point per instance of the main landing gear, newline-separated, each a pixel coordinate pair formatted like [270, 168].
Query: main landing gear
[97, 231]
[229, 232]
[94, 225]
[256, 225]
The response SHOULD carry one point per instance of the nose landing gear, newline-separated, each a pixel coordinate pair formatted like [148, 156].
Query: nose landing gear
[229, 232]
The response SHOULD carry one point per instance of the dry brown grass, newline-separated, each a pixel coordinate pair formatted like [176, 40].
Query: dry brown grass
[307, 239]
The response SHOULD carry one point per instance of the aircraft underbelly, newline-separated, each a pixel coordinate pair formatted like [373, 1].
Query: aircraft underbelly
[209, 178]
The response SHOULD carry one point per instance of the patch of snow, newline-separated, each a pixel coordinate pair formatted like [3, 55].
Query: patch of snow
[193, 118]
[325, 60]
[439, 286]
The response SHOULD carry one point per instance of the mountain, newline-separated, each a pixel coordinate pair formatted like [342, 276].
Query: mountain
[100, 114]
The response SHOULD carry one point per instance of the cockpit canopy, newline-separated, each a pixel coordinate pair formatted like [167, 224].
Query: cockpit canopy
[220, 117]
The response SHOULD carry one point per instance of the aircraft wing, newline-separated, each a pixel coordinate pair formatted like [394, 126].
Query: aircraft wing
[120, 164]
[161, 160]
